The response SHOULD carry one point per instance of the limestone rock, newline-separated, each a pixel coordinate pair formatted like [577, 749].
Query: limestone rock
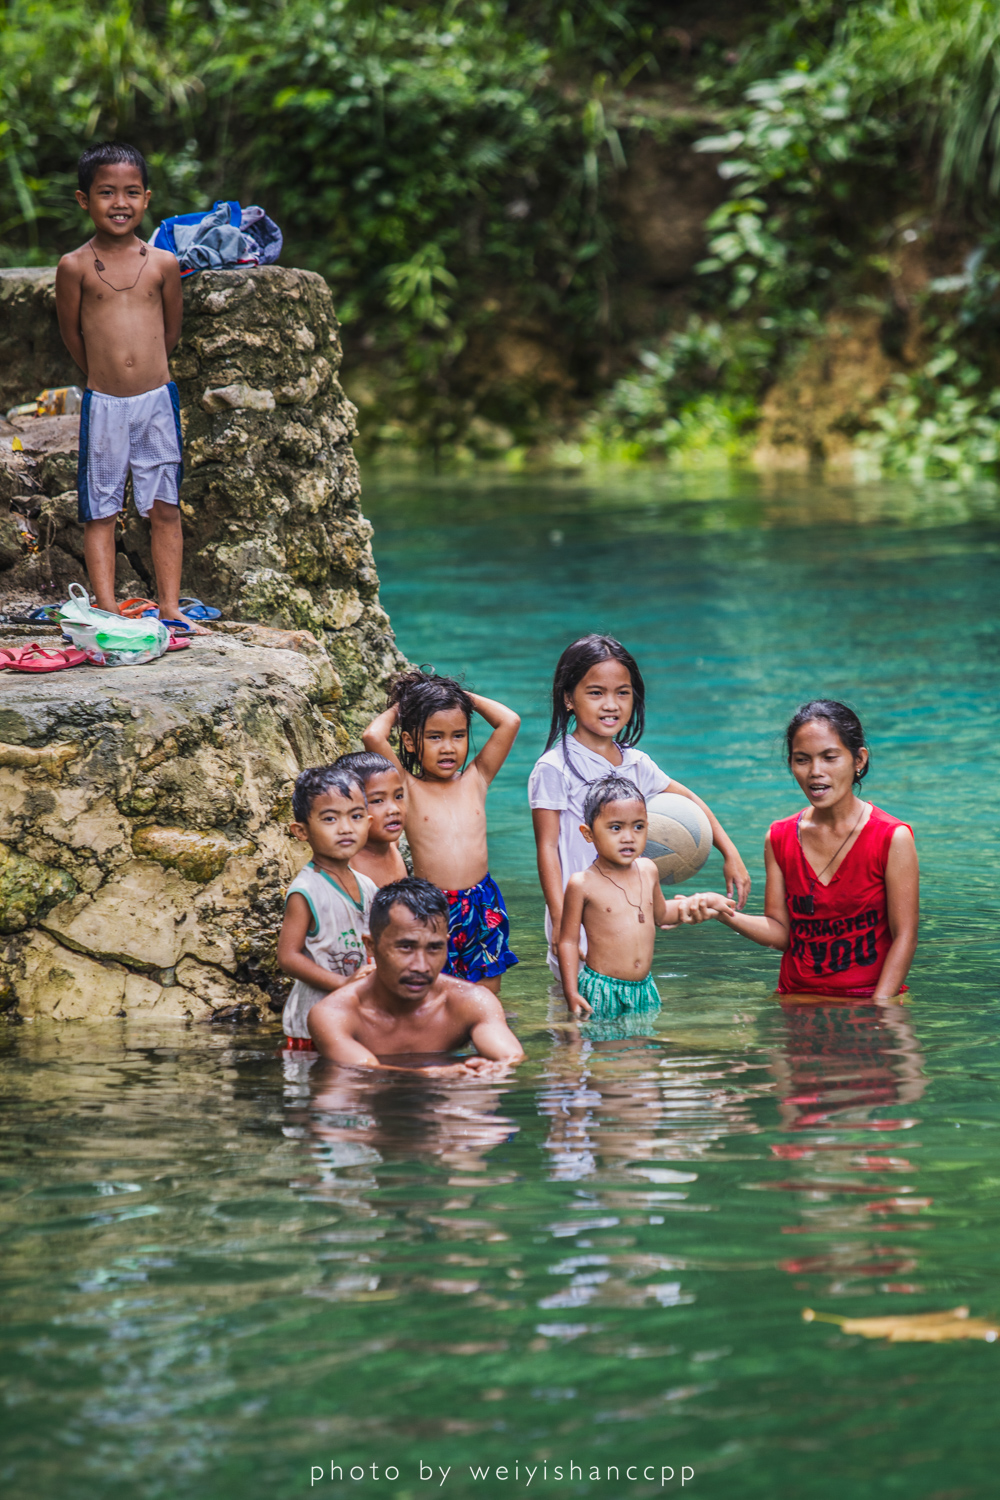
[143, 811]
[28, 889]
[237, 397]
[199, 856]
[271, 498]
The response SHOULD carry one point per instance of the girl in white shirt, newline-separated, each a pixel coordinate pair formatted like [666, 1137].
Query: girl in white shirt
[599, 689]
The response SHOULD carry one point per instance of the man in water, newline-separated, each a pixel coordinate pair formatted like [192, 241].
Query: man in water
[407, 1013]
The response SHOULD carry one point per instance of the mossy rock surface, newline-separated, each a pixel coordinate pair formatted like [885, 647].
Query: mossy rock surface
[28, 890]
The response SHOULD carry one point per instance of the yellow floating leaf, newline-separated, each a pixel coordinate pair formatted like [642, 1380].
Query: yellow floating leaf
[914, 1328]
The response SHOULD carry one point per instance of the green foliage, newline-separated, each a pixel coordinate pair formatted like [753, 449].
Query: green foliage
[453, 169]
[694, 396]
[932, 427]
[938, 63]
[798, 151]
[70, 74]
[943, 420]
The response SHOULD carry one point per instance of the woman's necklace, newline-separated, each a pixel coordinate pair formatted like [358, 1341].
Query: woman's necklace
[99, 268]
[808, 904]
[628, 898]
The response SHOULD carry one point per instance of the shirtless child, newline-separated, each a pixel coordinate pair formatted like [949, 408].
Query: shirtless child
[407, 1013]
[385, 793]
[618, 902]
[119, 307]
[446, 823]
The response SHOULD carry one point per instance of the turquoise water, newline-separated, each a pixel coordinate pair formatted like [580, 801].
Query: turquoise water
[219, 1276]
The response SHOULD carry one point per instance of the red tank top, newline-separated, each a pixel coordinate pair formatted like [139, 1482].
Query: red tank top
[840, 940]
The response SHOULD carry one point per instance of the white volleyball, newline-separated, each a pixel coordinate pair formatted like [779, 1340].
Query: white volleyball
[680, 837]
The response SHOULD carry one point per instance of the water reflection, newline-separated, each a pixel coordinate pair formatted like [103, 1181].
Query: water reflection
[638, 1099]
[845, 1076]
[350, 1120]
[841, 1062]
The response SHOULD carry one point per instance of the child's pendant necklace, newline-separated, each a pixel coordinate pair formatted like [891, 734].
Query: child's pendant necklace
[99, 268]
[628, 898]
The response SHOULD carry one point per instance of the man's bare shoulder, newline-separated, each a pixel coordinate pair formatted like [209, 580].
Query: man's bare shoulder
[343, 1004]
[466, 999]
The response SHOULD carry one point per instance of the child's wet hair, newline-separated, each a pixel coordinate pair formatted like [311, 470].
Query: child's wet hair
[315, 780]
[364, 764]
[842, 720]
[609, 789]
[422, 900]
[573, 666]
[109, 154]
[418, 694]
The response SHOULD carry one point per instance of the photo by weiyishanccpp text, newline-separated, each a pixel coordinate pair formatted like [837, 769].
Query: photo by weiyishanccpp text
[520, 1472]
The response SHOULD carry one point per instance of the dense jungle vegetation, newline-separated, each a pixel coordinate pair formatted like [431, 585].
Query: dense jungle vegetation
[483, 183]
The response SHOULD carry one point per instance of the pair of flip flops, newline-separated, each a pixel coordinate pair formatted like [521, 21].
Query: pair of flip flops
[46, 614]
[195, 610]
[191, 609]
[36, 658]
[134, 609]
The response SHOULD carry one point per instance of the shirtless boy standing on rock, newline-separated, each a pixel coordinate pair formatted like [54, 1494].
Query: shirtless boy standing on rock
[407, 1014]
[119, 306]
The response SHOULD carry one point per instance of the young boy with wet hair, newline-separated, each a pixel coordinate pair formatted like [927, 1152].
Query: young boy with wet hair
[619, 904]
[380, 858]
[322, 940]
[119, 306]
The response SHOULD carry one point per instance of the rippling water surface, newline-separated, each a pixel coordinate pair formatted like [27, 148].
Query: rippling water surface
[222, 1274]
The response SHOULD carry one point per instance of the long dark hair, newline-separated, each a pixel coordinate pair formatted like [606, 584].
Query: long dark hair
[573, 666]
[842, 720]
[418, 694]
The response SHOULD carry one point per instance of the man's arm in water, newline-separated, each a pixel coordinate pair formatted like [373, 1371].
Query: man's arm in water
[488, 1029]
[331, 1025]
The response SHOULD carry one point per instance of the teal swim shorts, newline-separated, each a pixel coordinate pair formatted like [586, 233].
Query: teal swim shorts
[612, 998]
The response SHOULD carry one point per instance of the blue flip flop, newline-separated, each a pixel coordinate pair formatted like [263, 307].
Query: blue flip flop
[195, 610]
[183, 627]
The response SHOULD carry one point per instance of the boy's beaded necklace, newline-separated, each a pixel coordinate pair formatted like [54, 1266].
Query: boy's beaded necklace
[99, 268]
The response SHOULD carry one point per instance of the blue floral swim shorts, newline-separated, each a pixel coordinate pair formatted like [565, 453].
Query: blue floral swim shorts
[478, 932]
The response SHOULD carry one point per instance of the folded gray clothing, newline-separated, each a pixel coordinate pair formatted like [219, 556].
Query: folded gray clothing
[264, 232]
[213, 243]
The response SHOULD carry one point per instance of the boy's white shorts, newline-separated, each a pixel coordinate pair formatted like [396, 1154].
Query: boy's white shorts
[119, 433]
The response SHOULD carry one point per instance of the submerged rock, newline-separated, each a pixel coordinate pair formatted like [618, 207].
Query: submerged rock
[143, 810]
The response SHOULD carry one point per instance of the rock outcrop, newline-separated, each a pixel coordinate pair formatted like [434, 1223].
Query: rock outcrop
[143, 847]
[271, 497]
[143, 825]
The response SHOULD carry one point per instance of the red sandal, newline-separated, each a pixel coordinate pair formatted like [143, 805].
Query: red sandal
[35, 658]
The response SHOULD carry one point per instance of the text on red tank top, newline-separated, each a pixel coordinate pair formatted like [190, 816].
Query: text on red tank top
[839, 933]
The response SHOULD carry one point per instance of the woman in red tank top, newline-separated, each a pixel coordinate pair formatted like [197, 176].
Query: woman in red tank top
[842, 894]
